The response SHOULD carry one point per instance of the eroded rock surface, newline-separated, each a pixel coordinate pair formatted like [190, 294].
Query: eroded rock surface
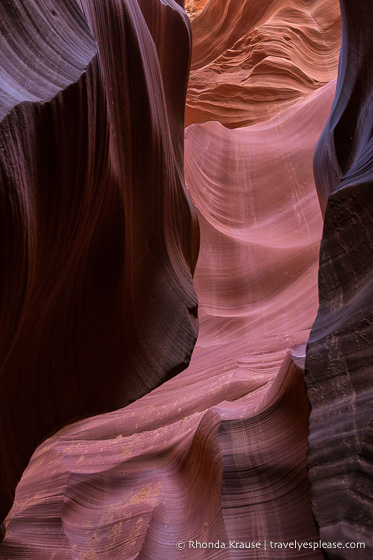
[340, 355]
[98, 237]
[253, 58]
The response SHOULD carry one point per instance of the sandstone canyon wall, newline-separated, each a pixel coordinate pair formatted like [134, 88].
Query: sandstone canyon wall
[99, 240]
[93, 160]
[340, 348]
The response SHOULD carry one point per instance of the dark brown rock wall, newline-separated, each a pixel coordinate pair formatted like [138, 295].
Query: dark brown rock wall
[340, 349]
[99, 240]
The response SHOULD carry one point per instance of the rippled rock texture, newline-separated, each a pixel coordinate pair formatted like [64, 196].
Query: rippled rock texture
[219, 452]
[340, 349]
[253, 58]
[98, 237]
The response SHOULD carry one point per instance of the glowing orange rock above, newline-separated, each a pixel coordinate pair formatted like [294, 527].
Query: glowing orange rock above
[252, 58]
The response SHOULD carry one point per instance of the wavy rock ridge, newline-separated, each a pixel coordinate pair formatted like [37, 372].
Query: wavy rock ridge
[253, 58]
[99, 240]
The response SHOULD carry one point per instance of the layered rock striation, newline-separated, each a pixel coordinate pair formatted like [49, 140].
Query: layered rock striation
[98, 237]
[253, 58]
[339, 356]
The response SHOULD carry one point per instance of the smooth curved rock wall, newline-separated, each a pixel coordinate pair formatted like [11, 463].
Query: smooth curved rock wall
[98, 237]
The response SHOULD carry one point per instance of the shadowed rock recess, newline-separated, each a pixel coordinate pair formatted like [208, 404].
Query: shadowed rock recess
[98, 247]
[98, 237]
[340, 349]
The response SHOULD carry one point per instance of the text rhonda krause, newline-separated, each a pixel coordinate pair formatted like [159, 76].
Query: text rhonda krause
[313, 545]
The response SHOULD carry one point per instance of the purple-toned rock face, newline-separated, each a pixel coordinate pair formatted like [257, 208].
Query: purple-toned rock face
[340, 349]
[98, 238]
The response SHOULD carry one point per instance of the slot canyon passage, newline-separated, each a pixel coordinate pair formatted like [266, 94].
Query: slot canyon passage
[112, 446]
